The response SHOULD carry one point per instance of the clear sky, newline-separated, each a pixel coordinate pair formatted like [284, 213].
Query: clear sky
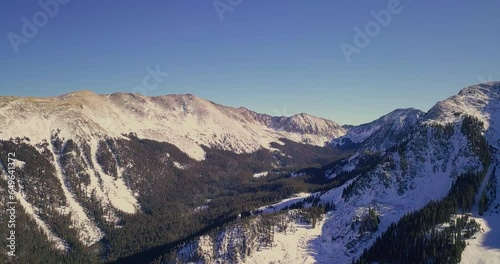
[278, 57]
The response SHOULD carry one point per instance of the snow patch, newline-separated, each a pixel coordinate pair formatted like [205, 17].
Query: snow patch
[485, 248]
[297, 246]
[58, 242]
[261, 174]
[179, 166]
[284, 203]
[89, 233]
[120, 196]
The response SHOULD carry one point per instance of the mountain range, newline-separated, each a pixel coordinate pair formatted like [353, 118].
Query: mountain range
[134, 179]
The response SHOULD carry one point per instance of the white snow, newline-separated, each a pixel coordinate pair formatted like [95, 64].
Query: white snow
[18, 163]
[179, 165]
[200, 208]
[261, 174]
[486, 247]
[89, 233]
[59, 244]
[431, 166]
[120, 196]
[296, 246]
[395, 119]
[297, 174]
[284, 203]
[96, 187]
[183, 120]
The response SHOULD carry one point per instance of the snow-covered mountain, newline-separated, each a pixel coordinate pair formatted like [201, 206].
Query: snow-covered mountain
[381, 133]
[81, 163]
[183, 120]
[93, 160]
[421, 167]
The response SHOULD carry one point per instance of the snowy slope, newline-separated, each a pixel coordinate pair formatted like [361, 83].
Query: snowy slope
[88, 119]
[296, 246]
[381, 133]
[431, 164]
[390, 188]
[246, 243]
[394, 190]
[422, 169]
[183, 120]
[485, 247]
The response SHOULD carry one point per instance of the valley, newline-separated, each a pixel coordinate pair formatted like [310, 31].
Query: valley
[126, 178]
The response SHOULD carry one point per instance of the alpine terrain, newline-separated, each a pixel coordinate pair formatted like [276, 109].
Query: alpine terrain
[126, 178]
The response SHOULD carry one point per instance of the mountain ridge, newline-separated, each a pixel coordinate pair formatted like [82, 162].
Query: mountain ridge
[73, 168]
[184, 120]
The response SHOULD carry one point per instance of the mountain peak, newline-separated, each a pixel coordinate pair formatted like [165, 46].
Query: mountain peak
[492, 86]
[184, 120]
[80, 93]
[477, 100]
[400, 112]
[395, 123]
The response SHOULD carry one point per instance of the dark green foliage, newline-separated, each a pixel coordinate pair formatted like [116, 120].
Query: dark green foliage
[169, 195]
[106, 159]
[314, 214]
[483, 203]
[491, 193]
[366, 163]
[412, 239]
[32, 245]
[57, 143]
[296, 155]
[258, 231]
[443, 131]
[473, 128]
[369, 222]
[73, 167]
[37, 178]
[74, 161]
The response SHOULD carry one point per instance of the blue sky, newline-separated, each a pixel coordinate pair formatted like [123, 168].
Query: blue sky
[277, 57]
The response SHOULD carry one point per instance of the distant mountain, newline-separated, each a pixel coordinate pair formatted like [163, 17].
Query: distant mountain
[381, 133]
